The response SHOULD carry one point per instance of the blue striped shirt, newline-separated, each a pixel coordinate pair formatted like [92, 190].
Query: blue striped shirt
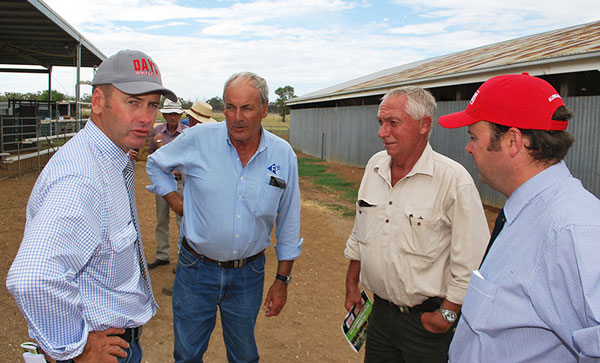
[77, 269]
[229, 209]
[537, 296]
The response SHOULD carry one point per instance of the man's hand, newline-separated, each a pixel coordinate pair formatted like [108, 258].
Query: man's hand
[435, 322]
[277, 295]
[276, 298]
[352, 291]
[102, 347]
[158, 140]
[134, 154]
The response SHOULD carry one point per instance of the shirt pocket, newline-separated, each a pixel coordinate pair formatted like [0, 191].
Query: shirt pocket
[427, 230]
[269, 198]
[123, 238]
[365, 214]
[479, 303]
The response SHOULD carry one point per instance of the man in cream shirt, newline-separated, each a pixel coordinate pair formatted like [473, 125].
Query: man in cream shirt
[419, 232]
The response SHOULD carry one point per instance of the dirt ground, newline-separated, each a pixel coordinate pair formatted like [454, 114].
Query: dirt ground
[308, 328]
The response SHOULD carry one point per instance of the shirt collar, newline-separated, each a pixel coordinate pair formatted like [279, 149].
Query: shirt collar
[532, 187]
[423, 166]
[178, 129]
[262, 145]
[109, 149]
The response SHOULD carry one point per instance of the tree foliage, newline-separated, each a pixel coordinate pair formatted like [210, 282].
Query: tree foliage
[35, 96]
[284, 93]
[217, 104]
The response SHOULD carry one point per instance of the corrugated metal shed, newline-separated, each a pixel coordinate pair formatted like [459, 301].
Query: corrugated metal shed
[575, 48]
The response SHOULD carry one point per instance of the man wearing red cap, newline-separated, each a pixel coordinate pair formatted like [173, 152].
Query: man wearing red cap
[535, 298]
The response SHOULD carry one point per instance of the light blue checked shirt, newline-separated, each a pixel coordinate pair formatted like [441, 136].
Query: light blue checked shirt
[77, 269]
[229, 210]
[537, 296]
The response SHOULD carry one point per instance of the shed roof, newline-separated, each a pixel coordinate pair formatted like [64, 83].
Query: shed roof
[570, 49]
[31, 33]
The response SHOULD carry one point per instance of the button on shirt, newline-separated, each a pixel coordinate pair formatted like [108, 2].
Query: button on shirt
[77, 269]
[536, 298]
[422, 237]
[229, 210]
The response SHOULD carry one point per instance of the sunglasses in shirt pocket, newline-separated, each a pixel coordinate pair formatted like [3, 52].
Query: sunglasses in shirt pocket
[277, 182]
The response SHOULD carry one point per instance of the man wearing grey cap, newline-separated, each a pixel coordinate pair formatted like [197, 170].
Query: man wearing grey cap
[80, 277]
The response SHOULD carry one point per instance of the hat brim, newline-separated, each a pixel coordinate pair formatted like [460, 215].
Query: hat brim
[138, 88]
[199, 117]
[171, 110]
[457, 119]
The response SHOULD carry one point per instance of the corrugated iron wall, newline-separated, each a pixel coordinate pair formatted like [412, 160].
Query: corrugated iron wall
[349, 135]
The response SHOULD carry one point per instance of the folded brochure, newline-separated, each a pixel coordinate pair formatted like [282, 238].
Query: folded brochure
[355, 323]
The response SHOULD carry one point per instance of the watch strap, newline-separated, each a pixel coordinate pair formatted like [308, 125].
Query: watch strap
[284, 278]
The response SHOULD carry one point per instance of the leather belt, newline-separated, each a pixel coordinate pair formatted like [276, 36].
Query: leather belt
[131, 334]
[225, 264]
[427, 306]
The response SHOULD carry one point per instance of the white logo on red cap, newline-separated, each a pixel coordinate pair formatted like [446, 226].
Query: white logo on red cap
[553, 97]
[474, 97]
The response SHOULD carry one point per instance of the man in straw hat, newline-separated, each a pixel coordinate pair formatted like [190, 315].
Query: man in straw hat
[161, 136]
[200, 113]
[535, 298]
[80, 277]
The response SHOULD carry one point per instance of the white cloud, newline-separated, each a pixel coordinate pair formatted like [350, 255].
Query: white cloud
[309, 45]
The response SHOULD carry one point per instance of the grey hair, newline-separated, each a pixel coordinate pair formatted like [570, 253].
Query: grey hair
[255, 81]
[419, 102]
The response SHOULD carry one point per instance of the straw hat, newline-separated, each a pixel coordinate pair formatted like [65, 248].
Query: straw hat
[201, 111]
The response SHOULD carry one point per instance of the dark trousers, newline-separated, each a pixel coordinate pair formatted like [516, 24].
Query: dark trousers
[398, 337]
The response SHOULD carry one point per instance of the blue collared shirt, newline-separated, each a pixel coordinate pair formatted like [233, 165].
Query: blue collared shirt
[77, 269]
[537, 296]
[228, 210]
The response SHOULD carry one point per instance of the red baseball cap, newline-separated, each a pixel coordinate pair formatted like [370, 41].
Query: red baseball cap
[515, 100]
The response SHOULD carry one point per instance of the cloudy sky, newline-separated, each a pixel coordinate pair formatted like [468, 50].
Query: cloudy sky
[308, 44]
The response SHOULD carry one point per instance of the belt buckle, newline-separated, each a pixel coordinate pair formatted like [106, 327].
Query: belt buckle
[404, 309]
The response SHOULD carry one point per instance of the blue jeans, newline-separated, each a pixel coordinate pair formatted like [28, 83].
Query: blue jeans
[199, 289]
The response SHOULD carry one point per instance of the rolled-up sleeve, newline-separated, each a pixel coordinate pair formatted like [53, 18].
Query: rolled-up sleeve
[289, 244]
[470, 236]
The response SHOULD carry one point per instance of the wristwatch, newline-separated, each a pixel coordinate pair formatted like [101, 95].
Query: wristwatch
[284, 278]
[448, 315]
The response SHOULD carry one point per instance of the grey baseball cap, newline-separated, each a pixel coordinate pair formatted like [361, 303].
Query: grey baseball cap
[132, 72]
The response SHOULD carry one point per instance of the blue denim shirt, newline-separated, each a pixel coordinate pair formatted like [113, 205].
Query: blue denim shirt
[229, 210]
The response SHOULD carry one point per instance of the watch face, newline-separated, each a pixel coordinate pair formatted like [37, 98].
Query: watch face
[449, 315]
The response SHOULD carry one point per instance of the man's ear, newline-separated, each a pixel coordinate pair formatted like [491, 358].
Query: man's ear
[98, 100]
[424, 125]
[514, 141]
[265, 111]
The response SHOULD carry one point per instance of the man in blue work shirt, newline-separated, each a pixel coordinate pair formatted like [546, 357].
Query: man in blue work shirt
[240, 179]
[535, 297]
[80, 277]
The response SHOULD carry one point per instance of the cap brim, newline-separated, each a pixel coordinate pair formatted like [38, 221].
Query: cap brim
[457, 119]
[167, 110]
[138, 88]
